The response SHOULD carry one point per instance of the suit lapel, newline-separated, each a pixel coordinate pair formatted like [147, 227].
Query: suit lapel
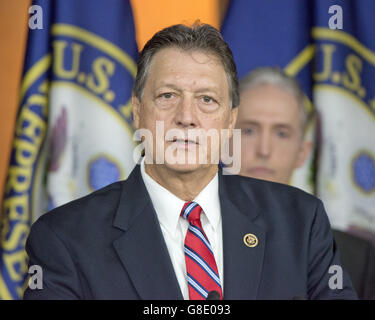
[141, 248]
[144, 255]
[242, 264]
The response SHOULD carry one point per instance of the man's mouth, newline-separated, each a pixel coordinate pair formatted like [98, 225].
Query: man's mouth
[183, 141]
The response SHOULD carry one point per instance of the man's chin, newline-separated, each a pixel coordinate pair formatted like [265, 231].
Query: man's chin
[185, 168]
[259, 175]
[264, 177]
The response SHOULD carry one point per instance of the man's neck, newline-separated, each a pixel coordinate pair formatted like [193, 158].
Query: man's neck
[184, 185]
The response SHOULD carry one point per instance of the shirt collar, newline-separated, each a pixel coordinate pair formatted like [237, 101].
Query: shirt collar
[209, 201]
[168, 206]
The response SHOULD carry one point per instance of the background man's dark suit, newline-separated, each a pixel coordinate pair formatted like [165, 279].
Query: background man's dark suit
[109, 245]
[358, 258]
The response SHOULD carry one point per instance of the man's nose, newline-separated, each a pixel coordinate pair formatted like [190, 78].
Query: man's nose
[186, 116]
[264, 146]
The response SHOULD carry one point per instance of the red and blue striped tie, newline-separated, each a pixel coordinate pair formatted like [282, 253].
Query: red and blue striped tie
[202, 273]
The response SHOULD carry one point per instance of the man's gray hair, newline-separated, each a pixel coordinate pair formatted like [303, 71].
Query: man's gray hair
[276, 76]
[202, 37]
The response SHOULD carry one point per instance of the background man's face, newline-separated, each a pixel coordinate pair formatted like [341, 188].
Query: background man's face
[186, 91]
[272, 147]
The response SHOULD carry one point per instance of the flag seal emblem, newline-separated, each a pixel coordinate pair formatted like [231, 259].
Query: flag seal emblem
[363, 171]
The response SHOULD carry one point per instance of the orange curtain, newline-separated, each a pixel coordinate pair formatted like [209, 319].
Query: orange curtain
[150, 16]
[13, 29]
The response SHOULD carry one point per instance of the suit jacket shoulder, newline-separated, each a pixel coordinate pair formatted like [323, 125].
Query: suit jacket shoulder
[296, 235]
[270, 197]
[358, 257]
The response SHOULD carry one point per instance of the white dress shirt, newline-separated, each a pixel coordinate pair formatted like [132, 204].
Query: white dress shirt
[168, 208]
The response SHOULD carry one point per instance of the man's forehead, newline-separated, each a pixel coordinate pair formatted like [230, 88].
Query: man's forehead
[269, 114]
[170, 66]
[266, 90]
[268, 99]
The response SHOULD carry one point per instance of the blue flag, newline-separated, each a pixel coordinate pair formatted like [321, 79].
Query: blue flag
[73, 131]
[329, 46]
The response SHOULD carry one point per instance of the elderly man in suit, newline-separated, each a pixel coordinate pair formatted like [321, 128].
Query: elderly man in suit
[178, 228]
[273, 119]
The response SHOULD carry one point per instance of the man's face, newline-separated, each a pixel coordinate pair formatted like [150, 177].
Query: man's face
[188, 92]
[272, 146]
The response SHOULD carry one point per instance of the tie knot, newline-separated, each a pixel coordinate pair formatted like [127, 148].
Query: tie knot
[191, 211]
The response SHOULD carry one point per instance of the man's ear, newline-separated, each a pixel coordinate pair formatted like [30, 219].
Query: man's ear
[303, 153]
[136, 105]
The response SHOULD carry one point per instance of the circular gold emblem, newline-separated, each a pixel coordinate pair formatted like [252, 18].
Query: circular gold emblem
[250, 240]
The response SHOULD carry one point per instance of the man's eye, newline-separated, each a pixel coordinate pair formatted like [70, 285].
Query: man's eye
[166, 95]
[282, 134]
[207, 99]
[166, 99]
[247, 131]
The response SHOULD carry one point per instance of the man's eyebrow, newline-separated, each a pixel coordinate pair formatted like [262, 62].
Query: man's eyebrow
[258, 123]
[213, 88]
[248, 122]
[168, 85]
[283, 126]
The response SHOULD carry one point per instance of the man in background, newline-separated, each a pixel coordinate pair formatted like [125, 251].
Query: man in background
[273, 117]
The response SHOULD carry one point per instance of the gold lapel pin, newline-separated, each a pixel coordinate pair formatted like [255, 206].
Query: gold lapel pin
[250, 240]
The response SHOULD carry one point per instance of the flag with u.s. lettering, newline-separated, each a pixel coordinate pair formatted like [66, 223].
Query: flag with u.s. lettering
[329, 46]
[73, 132]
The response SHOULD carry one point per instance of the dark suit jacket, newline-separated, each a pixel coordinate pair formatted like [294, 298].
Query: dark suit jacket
[358, 258]
[109, 245]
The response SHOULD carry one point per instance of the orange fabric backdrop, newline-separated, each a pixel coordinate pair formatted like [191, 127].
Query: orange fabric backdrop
[13, 28]
[149, 15]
